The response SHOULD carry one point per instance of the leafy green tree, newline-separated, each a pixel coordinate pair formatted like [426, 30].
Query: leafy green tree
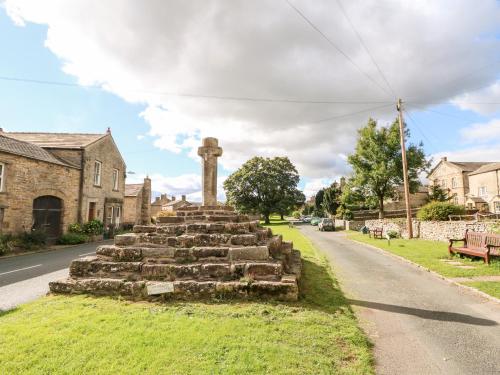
[438, 194]
[318, 199]
[331, 198]
[264, 185]
[377, 162]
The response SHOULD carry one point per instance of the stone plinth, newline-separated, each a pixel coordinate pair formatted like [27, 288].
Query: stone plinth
[203, 252]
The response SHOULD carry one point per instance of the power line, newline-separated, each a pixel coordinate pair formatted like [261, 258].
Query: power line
[339, 3]
[353, 113]
[195, 96]
[414, 122]
[302, 15]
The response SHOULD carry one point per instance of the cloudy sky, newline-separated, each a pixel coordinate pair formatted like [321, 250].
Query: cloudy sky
[266, 77]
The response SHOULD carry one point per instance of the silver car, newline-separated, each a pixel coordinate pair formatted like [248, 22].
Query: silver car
[326, 224]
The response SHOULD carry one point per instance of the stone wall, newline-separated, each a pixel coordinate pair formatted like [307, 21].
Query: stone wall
[430, 230]
[354, 224]
[26, 179]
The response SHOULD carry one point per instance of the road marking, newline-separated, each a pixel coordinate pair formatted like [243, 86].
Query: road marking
[82, 255]
[20, 269]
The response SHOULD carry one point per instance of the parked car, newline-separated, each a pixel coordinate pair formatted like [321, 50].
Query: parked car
[315, 220]
[326, 224]
[306, 219]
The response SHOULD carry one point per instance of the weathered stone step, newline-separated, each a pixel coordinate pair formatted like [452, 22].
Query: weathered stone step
[181, 255]
[178, 229]
[201, 217]
[133, 271]
[285, 290]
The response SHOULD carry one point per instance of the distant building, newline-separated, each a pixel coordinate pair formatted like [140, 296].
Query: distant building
[158, 203]
[174, 204]
[484, 186]
[50, 180]
[453, 177]
[137, 203]
[417, 199]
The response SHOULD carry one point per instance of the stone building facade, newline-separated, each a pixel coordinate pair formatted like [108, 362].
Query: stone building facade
[453, 177]
[175, 204]
[158, 203]
[37, 190]
[485, 188]
[417, 199]
[137, 203]
[84, 173]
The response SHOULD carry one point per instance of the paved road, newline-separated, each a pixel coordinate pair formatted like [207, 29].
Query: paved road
[419, 323]
[26, 277]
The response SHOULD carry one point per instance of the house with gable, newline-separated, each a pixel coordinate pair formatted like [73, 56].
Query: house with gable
[50, 180]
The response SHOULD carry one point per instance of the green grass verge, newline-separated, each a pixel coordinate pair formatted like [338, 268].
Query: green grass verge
[429, 254]
[490, 287]
[87, 335]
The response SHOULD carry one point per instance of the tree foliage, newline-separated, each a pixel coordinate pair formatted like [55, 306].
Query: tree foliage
[377, 162]
[264, 185]
[438, 194]
[331, 198]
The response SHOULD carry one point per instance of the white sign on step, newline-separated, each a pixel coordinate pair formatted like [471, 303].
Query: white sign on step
[160, 288]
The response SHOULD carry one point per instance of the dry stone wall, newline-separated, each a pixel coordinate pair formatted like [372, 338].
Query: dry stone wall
[431, 230]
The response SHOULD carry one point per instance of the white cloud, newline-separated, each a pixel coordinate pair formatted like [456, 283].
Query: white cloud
[485, 101]
[313, 186]
[476, 153]
[482, 132]
[264, 49]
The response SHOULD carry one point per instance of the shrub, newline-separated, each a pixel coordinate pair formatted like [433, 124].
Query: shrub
[31, 240]
[76, 228]
[296, 214]
[93, 227]
[6, 243]
[72, 238]
[392, 234]
[439, 211]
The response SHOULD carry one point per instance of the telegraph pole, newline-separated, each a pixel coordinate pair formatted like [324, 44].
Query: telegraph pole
[399, 107]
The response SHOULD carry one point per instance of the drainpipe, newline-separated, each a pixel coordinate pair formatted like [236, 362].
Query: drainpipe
[80, 190]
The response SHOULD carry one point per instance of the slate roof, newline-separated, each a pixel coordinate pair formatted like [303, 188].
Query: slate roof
[468, 166]
[486, 168]
[132, 190]
[29, 150]
[57, 140]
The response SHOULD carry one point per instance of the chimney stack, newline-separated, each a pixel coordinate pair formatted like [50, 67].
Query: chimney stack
[444, 158]
[183, 197]
[173, 198]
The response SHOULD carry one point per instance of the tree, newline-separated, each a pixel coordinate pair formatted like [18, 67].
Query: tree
[438, 194]
[264, 185]
[331, 198]
[377, 162]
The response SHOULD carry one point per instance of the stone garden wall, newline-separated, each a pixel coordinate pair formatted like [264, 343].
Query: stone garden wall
[431, 230]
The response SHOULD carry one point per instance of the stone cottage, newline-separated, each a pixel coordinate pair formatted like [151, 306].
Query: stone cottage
[175, 204]
[484, 191]
[90, 185]
[158, 203]
[453, 177]
[137, 203]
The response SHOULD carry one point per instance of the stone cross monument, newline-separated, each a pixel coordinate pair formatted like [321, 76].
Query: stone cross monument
[209, 152]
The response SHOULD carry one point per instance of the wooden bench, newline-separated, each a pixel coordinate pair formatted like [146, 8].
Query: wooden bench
[478, 244]
[377, 233]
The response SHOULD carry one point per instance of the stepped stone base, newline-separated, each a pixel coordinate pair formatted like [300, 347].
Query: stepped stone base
[195, 255]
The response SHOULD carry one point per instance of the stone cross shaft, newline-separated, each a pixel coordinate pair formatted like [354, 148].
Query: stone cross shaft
[209, 153]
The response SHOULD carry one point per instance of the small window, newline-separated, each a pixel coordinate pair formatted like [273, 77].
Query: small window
[497, 207]
[115, 179]
[2, 173]
[454, 182]
[97, 173]
[455, 200]
[443, 183]
[482, 192]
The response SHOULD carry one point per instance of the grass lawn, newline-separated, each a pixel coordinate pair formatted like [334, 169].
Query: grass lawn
[87, 335]
[490, 287]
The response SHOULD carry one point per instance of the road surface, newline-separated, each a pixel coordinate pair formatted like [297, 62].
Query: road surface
[419, 323]
[26, 277]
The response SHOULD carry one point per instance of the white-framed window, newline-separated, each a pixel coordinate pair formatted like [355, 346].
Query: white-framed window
[454, 182]
[443, 183]
[116, 173]
[455, 200]
[97, 173]
[482, 191]
[496, 207]
[2, 176]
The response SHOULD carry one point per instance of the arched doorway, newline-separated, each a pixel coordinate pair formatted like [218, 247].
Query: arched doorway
[47, 211]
